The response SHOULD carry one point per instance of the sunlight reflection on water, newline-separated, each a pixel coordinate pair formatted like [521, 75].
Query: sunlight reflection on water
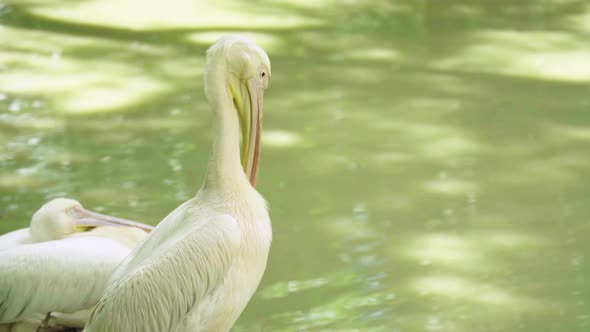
[424, 164]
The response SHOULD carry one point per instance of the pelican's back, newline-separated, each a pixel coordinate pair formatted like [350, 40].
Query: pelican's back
[39, 277]
[170, 274]
[15, 238]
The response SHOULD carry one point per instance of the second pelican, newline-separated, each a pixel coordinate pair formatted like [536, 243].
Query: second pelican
[54, 271]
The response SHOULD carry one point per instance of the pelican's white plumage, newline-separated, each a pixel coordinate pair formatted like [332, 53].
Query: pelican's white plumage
[203, 262]
[61, 263]
[15, 238]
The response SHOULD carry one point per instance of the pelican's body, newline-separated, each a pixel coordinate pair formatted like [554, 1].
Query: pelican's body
[201, 265]
[61, 264]
[15, 238]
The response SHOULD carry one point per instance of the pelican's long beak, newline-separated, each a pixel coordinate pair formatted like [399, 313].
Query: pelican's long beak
[251, 128]
[86, 218]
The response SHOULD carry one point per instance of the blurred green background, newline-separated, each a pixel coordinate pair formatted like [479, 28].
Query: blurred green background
[426, 162]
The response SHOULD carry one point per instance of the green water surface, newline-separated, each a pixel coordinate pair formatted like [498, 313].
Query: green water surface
[426, 162]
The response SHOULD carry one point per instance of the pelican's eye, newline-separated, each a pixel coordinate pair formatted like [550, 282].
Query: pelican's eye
[263, 74]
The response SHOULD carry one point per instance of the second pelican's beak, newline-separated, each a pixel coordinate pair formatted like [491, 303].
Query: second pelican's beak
[86, 218]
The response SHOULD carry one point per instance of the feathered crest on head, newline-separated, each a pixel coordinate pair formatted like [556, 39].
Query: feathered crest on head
[224, 44]
[234, 51]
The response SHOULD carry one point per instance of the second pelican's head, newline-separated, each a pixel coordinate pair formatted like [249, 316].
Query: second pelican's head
[247, 74]
[62, 217]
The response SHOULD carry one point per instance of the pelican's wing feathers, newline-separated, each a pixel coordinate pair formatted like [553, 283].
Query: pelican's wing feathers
[163, 287]
[63, 275]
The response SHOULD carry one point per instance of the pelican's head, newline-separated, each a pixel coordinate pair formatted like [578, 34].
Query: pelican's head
[246, 74]
[63, 217]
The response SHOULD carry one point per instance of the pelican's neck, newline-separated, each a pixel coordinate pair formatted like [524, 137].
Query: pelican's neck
[224, 161]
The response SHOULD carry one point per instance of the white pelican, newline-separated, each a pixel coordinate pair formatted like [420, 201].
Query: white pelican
[61, 263]
[59, 219]
[203, 262]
